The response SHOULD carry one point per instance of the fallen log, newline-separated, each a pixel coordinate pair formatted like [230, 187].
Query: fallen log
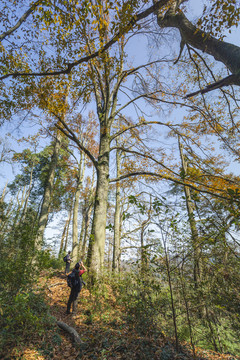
[75, 337]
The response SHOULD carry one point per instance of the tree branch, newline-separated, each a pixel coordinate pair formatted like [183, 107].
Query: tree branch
[20, 21]
[176, 181]
[135, 18]
[222, 51]
[73, 137]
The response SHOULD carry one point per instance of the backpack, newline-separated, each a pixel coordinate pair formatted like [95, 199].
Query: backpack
[73, 280]
[65, 258]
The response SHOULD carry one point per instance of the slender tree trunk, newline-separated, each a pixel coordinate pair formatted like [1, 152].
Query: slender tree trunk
[4, 221]
[172, 299]
[67, 232]
[81, 235]
[44, 212]
[3, 194]
[81, 171]
[143, 254]
[19, 206]
[64, 233]
[209, 322]
[188, 313]
[110, 255]
[117, 233]
[144, 225]
[88, 207]
[193, 225]
[27, 196]
[86, 230]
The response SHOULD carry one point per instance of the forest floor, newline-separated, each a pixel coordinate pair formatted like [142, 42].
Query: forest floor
[105, 334]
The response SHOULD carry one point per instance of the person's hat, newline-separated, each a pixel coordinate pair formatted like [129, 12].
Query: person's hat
[77, 266]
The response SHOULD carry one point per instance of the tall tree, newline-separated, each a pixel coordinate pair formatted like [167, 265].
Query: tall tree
[192, 221]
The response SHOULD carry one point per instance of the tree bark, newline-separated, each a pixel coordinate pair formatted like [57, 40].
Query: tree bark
[96, 247]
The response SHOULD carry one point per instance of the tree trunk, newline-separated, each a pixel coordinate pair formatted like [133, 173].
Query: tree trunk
[193, 225]
[27, 196]
[81, 235]
[67, 232]
[81, 171]
[117, 234]
[96, 247]
[86, 230]
[89, 203]
[171, 295]
[143, 254]
[64, 232]
[43, 217]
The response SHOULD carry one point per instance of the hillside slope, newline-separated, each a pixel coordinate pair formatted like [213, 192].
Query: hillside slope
[104, 331]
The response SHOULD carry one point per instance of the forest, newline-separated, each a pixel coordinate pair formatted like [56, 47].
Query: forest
[120, 142]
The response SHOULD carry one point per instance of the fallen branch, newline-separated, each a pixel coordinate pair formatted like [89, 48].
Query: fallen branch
[50, 286]
[75, 337]
[60, 283]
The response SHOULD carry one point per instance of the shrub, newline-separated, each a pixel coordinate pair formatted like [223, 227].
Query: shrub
[23, 316]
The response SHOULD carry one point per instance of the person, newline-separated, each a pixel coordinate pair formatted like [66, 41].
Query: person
[68, 262]
[75, 290]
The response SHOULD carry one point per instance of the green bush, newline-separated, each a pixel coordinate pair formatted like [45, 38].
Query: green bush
[145, 301]
[23, 316]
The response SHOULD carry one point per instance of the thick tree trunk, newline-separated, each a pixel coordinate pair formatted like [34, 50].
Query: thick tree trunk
[43, 217]
[96, 247]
